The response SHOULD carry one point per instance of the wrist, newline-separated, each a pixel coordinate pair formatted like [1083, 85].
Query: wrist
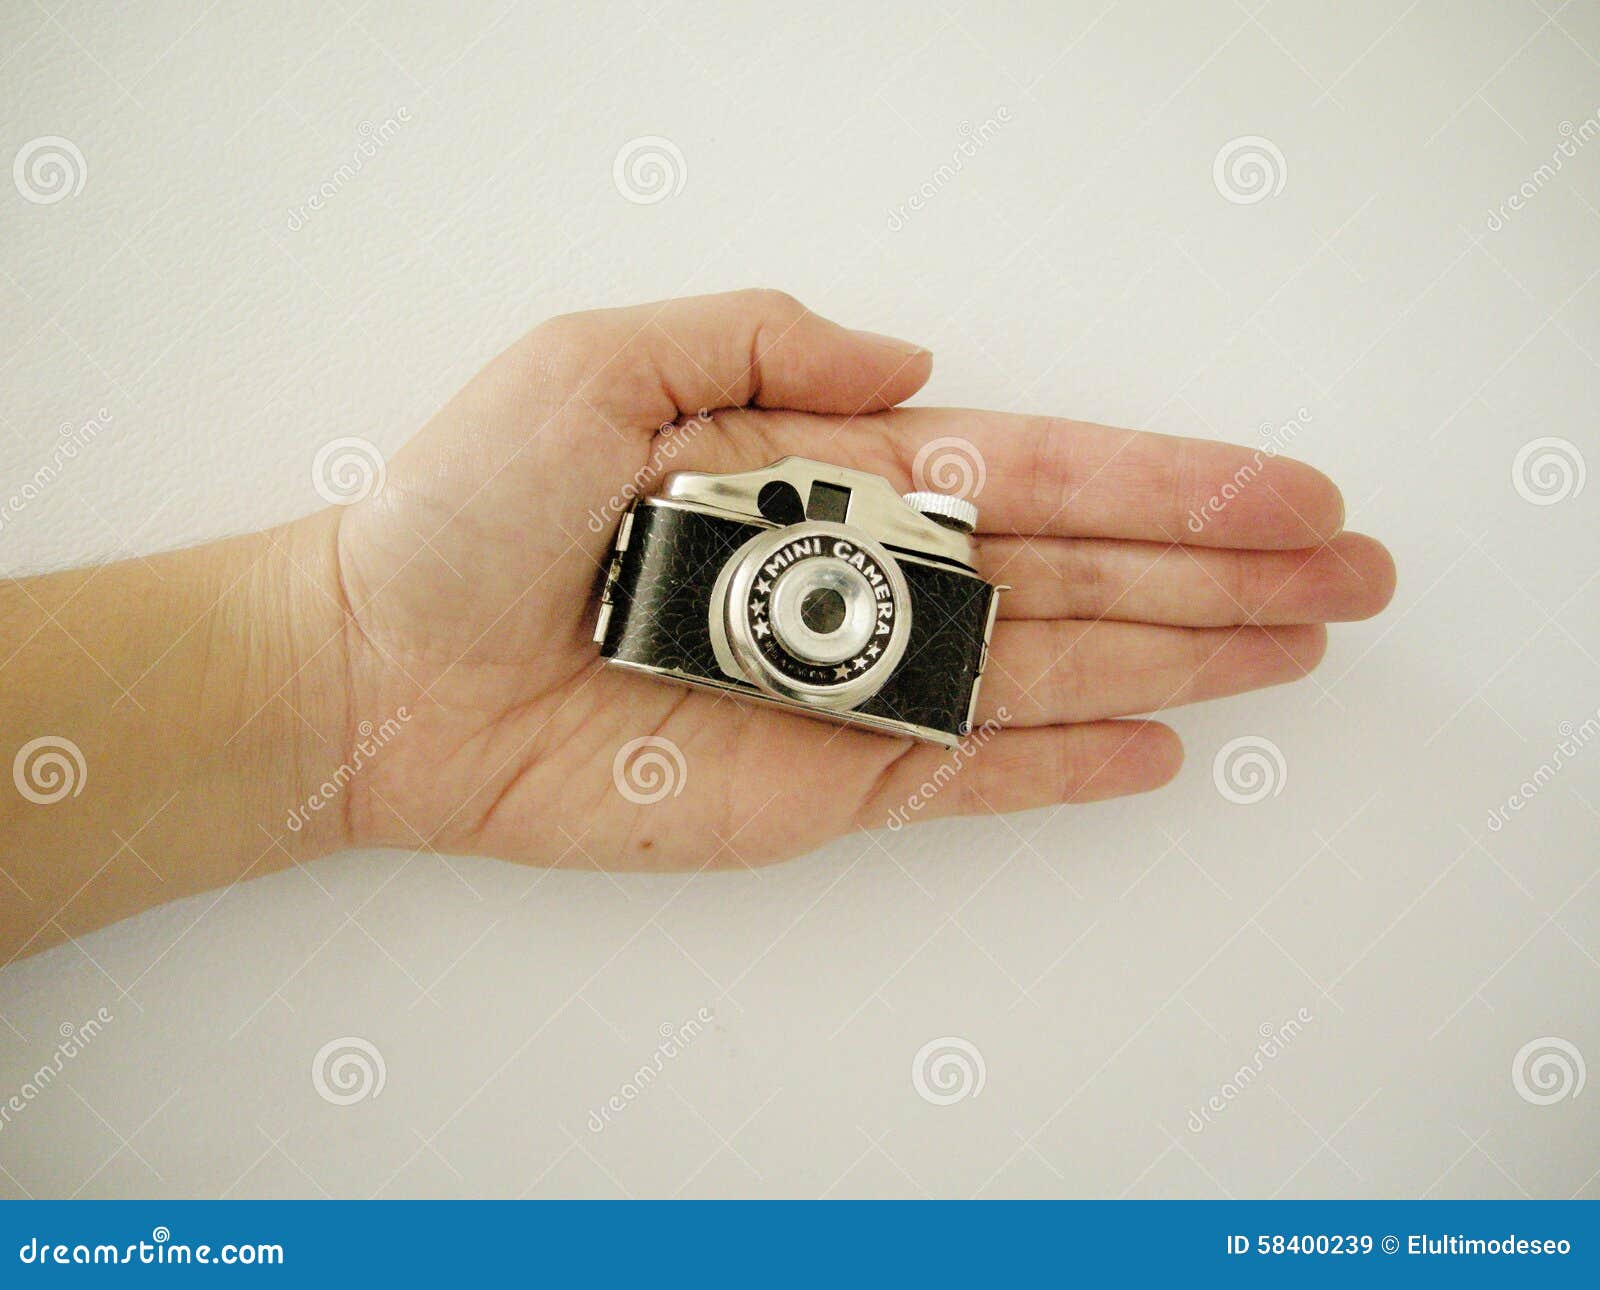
[197, 696]
[294, 667]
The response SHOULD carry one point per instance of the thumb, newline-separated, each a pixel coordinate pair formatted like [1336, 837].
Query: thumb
[652, 363]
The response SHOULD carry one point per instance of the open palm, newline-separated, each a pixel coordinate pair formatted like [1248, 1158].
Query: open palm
[470, 580]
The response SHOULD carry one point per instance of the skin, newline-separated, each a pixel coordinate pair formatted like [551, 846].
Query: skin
[211, 691]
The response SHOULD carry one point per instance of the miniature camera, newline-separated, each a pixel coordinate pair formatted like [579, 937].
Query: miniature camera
[806, 585]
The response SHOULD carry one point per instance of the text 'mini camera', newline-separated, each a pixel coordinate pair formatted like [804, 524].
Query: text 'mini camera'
[807, 585]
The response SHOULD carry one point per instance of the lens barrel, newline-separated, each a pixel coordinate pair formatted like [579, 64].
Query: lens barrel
[816, 613]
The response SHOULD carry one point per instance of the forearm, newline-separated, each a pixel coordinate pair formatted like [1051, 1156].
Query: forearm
[184, 706]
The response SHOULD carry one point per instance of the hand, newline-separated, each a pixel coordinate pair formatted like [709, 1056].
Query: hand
[469, 587]
[417, 668]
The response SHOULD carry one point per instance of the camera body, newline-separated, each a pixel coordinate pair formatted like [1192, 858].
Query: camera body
[807, 585]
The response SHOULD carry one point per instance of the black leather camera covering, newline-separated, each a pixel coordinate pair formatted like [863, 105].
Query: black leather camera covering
[661, 616]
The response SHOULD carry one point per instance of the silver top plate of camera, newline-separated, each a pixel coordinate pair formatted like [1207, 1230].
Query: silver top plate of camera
[874, 505]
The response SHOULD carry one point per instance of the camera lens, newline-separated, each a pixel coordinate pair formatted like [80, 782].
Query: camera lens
[823, 611]
[815, 613]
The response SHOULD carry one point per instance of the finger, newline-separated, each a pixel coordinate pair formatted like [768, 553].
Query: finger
[1076, 479]
[1043, 475]
[1351, 577]
[651, 363]
[1017, 770]
[1047, 672]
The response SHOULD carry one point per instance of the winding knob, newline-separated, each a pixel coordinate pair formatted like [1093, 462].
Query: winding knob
[943, 508]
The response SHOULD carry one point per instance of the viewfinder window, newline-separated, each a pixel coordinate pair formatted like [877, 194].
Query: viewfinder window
[828, 502]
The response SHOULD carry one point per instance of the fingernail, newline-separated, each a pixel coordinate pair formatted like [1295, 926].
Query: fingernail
[889, 342]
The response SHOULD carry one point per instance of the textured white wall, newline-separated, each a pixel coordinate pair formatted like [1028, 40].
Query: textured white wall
[1115, 964]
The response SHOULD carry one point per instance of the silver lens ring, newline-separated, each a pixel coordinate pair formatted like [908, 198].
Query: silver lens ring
[762, 605]
[824, 586]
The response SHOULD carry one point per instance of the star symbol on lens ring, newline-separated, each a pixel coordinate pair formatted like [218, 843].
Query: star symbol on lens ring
[760, 628]
[842, 671]
[873, 652]
[763, 587]
[860, 664]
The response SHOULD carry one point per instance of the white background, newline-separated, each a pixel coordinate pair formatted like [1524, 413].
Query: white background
[1114, 965]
